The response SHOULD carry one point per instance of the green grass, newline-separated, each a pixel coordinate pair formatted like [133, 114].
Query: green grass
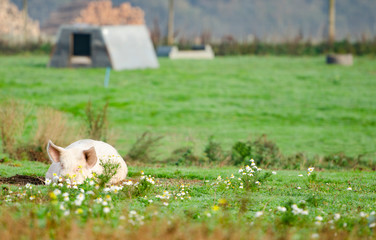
[301, 103]
[323, 194]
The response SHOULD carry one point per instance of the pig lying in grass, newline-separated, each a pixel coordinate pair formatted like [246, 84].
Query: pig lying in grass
[80, 159]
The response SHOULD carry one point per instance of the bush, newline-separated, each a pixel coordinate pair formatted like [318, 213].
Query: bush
[214, 151]
[262, 150]
[144, 149]
[184, 157]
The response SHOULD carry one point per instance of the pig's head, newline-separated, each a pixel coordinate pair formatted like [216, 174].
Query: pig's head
[75, 163]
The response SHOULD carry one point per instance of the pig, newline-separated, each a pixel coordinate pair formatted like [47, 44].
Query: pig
[82, 158]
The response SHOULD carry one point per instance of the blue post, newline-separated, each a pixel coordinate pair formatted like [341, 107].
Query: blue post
[107, 77]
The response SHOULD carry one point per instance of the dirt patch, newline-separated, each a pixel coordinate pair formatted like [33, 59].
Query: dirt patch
[22, 180]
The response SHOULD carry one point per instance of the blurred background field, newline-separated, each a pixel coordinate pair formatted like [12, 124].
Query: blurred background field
[300, 103]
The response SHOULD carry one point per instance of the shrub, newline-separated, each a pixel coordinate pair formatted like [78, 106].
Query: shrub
[214, 151]
[144, 148]
[262, 150]
[183, 157]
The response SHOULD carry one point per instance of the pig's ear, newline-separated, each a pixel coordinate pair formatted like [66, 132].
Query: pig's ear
[91, 157]
[54, 152]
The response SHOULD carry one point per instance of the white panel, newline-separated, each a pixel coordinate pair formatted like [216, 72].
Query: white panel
[130, 47]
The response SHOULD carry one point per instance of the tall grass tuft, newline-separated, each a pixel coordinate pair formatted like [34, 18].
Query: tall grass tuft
[96, 122]
[12, 119]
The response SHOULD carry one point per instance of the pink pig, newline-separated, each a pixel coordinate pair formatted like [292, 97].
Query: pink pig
[82, 158]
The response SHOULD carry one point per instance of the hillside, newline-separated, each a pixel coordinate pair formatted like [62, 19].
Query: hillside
[272, 19]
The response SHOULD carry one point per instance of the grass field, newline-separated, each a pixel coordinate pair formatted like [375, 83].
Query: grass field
[301, 103]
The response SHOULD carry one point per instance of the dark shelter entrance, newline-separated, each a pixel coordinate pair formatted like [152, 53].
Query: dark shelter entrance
[81, 44]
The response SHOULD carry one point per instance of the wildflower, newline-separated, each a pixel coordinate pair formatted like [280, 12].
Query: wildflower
[165, 203]
[274, 173]
[300, 175]
[106, 210]
[337, 216]
[122, 217]
[319, 218]
[57, 192]
[372, 225]
[79, 211]
[299, 188]
[81, 197]
[133, 212]
[150, 201]
[258, 183]
[52, 195]
[104, 203]
[281, 209]
[259, 214]
[66, 213]
[363, 214]
[349, 189]
[215, 208]
[90, 192]
[315, 235]
[311, 169]
[47, 181]
[208, 215]
[29, 186]
[91, 183]
[129, 183]
[232, 176]
[32, 197]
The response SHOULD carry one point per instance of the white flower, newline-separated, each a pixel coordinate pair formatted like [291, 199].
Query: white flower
[133, 212]
[106, 210]
[363, 214]
[349, 189]
[150, 201]
[77, 202]
[274, 172]
[90, 192]
[241, 186]
[258, 183]
[165, 203]
[91, 183]
[299, 188]
[57, 192]
[47, 181]
[300, 175]
[372, 225]
[258, 214]
[29, 186]
[104, 203]
[66, 213]
[60, 185]
[315, 235]
[319, 218]
[208, 215]
[32, 197]
[337, 216]
[281, 209]
[311, 169]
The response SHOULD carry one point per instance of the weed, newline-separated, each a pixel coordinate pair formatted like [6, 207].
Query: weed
[96, 122]
[109, 170]
[143, 150]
